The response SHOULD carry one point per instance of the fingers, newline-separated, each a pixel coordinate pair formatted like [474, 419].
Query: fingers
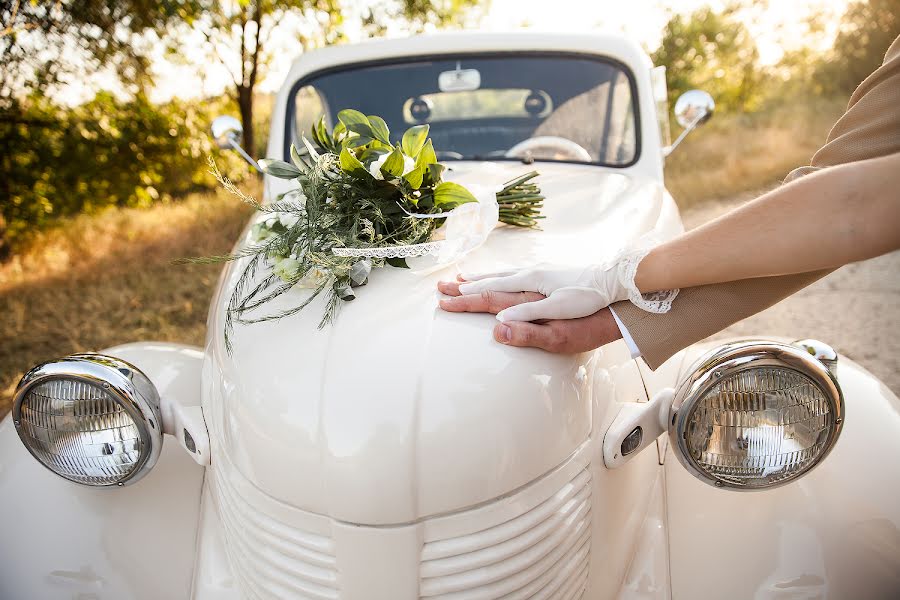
[449, 288]
[564, 303]
[480, 276]
[564, 337]
[486, 302]
[517, 282]
[527, 335]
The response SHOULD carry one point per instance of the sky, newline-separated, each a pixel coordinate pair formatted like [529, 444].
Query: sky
[776, 25]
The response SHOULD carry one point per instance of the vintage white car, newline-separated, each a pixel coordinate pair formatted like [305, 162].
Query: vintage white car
[401, 453]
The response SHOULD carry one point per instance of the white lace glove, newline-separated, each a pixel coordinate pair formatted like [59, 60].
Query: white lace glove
[570, 292]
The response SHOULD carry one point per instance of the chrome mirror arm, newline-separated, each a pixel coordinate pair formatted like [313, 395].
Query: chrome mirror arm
[234, 145]
[691, 126]
[692, 109]
[225, 131]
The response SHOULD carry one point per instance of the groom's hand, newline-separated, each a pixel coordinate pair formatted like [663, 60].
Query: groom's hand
[567, 336]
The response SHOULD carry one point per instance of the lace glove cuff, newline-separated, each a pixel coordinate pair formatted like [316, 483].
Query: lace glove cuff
[627, 266]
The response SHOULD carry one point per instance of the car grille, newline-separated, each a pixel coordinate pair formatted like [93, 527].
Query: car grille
[271, 558]
[540, 553]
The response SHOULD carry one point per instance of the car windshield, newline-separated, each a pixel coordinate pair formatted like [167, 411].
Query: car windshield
[513, 106]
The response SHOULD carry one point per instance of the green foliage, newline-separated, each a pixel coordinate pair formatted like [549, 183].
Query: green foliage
[867, 29]
[712, 51]
[106, 152]
[78, 38]
[351, 212]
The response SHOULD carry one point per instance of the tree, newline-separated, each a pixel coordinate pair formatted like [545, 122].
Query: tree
[866, 31]
[46, 45]
[712, 51]
[238, 34]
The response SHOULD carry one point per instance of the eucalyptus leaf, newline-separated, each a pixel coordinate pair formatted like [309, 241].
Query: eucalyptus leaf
[414, 140]
[380, 129]
[359, 272]
[298, 160]
[393, 166]
[448, 193]
[279, 168]
[313, 154]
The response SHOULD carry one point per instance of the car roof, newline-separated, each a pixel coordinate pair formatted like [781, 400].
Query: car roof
[617, 47]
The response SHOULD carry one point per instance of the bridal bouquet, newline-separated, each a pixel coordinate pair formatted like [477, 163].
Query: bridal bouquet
[361, 202]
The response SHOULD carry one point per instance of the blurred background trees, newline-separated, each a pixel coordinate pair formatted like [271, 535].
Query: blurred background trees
[66, 153]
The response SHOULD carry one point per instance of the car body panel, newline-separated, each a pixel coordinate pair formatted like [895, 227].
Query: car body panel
[833, 534]
[63, 540]
[374, 402]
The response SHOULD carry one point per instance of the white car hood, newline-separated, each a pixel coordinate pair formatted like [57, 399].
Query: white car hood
[399, 410]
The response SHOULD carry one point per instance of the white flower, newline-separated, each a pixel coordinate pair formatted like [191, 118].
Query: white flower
[288, 219]
[375, 166]
[409, 164]
[286, 268]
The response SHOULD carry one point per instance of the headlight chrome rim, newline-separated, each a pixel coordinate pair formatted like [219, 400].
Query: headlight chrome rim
[125, 383]
[730, 359]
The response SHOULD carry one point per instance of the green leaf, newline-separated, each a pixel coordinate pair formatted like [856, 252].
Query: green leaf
[380, 129]
[338, 133]
[320, 134]
[350, 164]
[393, 166]
[435, 170]
[449, 193]
[355, 121]
[414, 177]
[298, 160]
[400, 263]
[426, 155]
[414, 140]
[279, 168]
[358, 141]
[312, 151]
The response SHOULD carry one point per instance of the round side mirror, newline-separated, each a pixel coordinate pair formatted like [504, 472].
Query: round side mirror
[225, 130]
[694, 107]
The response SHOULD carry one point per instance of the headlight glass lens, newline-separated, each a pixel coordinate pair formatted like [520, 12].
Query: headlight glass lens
[80, 431]
[759, 426]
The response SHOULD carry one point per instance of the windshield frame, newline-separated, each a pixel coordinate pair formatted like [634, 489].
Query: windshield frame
[307, 79]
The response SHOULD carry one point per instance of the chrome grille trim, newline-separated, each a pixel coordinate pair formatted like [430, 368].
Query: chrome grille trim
[271, 558]
[541, 553]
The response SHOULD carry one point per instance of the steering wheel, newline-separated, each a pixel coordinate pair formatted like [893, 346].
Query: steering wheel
[549, 147]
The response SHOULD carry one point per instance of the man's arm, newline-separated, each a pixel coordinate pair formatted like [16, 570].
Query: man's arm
[870, 128]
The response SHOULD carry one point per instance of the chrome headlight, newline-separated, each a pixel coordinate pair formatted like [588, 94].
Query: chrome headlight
[89, 418]
[755, 415]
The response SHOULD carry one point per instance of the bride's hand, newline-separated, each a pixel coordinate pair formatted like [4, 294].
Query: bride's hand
[566, 292]
[560, 336]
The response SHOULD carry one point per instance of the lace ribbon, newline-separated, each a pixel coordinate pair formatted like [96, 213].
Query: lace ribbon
[465, 229]
[407, 251]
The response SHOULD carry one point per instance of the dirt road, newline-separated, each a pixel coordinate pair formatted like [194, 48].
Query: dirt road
[855, 309]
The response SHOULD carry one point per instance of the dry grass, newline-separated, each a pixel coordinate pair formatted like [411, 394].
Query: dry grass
[109, 279]
[735, 153]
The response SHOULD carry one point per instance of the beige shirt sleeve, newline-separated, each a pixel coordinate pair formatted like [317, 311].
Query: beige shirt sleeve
[869, 128]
